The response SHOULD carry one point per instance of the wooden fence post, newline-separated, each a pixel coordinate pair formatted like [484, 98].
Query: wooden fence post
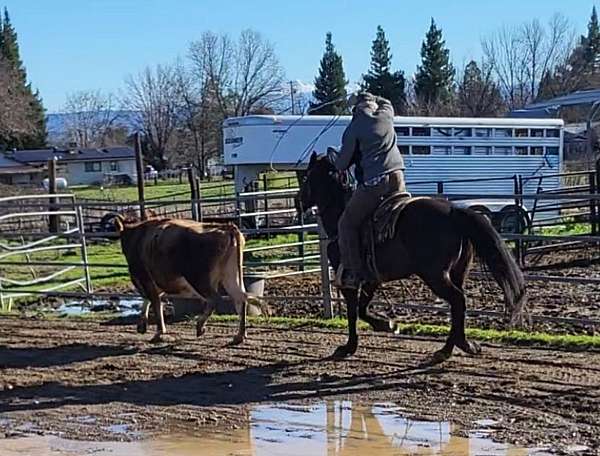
[53, 220]
[193, 195]
[199, 198]
[325, 279]
[139, 165]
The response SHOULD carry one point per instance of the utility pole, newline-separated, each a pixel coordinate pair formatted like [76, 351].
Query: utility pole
[292, 90]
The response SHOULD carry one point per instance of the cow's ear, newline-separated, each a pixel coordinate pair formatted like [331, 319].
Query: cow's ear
[313, 158]
[119, 223]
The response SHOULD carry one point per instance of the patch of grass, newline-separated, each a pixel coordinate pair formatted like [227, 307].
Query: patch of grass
[514, 337]
[161, 190]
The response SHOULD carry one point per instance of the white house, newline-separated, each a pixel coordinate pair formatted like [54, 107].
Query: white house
[82, 166]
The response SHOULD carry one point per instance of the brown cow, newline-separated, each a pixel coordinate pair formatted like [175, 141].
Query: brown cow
[185, 258]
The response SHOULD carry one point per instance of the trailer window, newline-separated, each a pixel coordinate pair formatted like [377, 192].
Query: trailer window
[482, 150]
[442, 150]
[502, 150]
[421, 150]
[404, 150]
[421, 131]
[503, 132]
[537, 132]
[521, 150]
[402, 131]
[463, 132]
[553, 133]
[552, 150]
[441, 132]
[536, 150]
[483, 132]
[521, 132]
[462, 150]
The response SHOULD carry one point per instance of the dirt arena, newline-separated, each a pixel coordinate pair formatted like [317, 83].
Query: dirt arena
[76, 378]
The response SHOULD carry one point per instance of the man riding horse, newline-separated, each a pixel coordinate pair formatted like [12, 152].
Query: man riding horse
[369, 142]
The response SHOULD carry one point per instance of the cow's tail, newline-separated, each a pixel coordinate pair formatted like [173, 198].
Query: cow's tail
[497, 258]
[240, 243]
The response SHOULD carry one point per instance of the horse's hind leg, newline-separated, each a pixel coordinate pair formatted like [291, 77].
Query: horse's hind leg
[445, 289]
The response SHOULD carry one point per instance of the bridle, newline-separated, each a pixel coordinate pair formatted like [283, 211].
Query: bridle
[343, 178]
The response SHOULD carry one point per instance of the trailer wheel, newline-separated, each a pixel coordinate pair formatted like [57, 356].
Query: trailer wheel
[512, 220]
[483, 211]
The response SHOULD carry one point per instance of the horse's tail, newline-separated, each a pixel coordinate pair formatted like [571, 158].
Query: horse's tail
[493, 252]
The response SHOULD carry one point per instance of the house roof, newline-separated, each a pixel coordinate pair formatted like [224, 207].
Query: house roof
[10, 166]
[581, 97]
[43, 155]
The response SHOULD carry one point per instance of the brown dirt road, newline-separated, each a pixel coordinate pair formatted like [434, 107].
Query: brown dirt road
[77, 378]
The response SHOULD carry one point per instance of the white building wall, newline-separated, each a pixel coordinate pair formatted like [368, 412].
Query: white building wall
[76, 174]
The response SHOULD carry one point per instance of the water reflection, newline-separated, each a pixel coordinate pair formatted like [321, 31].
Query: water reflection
[326, 429]
[335, 429]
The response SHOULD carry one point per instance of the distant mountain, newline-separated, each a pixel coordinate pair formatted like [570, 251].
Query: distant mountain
[56, 124]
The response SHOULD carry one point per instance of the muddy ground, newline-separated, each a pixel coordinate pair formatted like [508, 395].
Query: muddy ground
[77, 378]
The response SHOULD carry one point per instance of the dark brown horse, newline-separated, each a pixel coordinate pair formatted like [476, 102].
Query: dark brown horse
[433, 240]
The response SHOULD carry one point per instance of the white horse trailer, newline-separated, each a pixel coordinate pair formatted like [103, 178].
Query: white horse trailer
[468, 156]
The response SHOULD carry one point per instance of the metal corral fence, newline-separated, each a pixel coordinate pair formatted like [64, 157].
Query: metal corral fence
[52, 229]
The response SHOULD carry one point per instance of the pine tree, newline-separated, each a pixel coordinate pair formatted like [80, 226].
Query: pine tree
[435, 76]
[380, 80]
[331, 82]
[478, 94]
[591, 44]
[29, 101]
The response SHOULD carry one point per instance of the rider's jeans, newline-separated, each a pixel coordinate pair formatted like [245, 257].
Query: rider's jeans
[363, 203]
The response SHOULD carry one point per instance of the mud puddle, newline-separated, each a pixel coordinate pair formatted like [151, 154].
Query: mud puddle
[124, 307]
[325, 428]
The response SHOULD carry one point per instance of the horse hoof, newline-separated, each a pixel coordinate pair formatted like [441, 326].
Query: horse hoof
[438, 357]
[470, 348]
[237, 339]
[142, 328]
[343, 351]
[200, 331]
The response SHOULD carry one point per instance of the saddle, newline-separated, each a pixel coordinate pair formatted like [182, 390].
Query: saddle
[381, 227]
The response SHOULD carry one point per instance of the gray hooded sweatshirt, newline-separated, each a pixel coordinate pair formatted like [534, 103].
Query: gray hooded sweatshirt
[369, 141]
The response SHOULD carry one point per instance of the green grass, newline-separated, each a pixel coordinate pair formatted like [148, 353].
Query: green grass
[571, 229]
[175, 190]
[162, 190]
[514, 337]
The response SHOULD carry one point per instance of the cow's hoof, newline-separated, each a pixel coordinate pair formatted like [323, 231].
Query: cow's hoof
[471, 348]
[343, 351]
[237, 339]
[158, 338]
[142, 327]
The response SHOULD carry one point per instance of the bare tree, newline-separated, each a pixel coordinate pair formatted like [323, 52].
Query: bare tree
[521, 56]
[153, 94]
[241, 76]
[91, 118]
[478, 94]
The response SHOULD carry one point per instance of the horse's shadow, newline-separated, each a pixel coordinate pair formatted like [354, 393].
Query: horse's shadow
[19, 358]
[232, 387]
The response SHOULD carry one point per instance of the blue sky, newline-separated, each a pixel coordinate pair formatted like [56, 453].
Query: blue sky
[70, 45]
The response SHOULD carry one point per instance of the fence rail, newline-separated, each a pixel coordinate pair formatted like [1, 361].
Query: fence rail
[250, 205]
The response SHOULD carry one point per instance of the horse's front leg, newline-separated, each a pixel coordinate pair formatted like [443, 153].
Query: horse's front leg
[378, 324]
[351, 297]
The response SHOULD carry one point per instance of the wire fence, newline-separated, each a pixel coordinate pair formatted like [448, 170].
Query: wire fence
[38, 261]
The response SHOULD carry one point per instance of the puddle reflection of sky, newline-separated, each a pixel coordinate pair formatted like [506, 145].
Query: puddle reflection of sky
[337, 428]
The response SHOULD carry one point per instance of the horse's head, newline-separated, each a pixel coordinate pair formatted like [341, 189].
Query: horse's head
[323, 185]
